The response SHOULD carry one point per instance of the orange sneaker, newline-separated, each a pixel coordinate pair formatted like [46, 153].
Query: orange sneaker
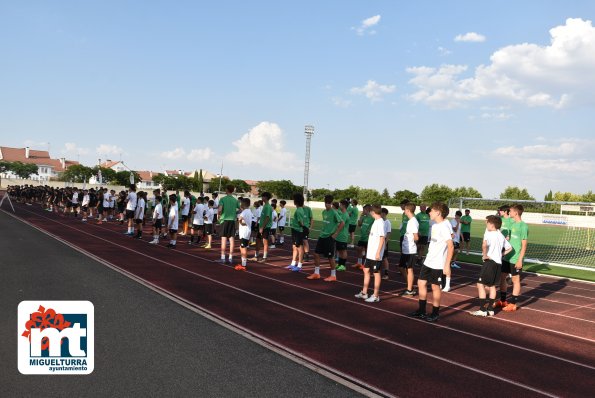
[357, 266]
[313, 276]
[240, 267]
[330, 279]
[500, 304]
[510, 308]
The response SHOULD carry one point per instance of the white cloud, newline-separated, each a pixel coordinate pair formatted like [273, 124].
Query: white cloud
[70, 148]
[471, 37]
[444, 51]
[263, 146]
[195, 155]
[497, 116]
[373, 91]
[341, 102]
[106, 149]
[556, 75]
[569, 157]
[366, 25]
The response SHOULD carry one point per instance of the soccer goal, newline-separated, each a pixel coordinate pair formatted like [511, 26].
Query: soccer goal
[560, 233]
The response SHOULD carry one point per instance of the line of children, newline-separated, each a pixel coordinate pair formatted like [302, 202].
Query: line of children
[375, 249]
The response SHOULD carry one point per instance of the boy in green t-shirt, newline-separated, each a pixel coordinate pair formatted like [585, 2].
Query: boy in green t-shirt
[513, 261]
[404, 221]
[331, 226]
[297, 229]
[308, 224]
[227, 214]
[264, 228]
[353, 215]
[466, 230]
[365, 223]
[343, 235]
[423, 219]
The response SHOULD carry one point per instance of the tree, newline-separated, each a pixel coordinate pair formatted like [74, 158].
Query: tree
[198, 182]
[107, 174]
[350, 192]
[318, 194]
[218, 182]
[23, 170]
[588, 197]
[466, 192]
[201, 182]
[240, 185]
[77, 173]
[436, 193]
[549, 197]
[567, 197]
[369, 196]
[4, 167]
[516, 193]
[400, 196]
[123, 178]
[280, 188]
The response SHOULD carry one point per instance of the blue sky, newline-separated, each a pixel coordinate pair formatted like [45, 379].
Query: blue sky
[402, 94]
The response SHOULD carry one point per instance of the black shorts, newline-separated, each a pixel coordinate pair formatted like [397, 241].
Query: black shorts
[184, 218]
[266, 232]
[407, 260]
[281, 229]
[215, 218]
[75, 205]
[254, 227]
[423, 240]
[489, 275]
[228, 229]
[198, 227]
[208, 229]
[352, 228]
[129, 214]
[306, 233]
[68, 205]
[466, 236]
[157, 224]
[456, 245]
[362, 243]
[340, 245]
[373, 265]
[244, 243]
[173, 231]
[325, 247]
[508, 268]
[120, 208]
[85, 208]
[138, 221]
[297, 237]
[432, 276]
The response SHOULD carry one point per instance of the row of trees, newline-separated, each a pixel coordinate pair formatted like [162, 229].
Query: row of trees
[22, 170]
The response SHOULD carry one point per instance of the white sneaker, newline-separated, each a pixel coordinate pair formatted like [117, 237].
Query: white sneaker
[350, 246]
[491, 313]
[154, 242]
[446, 289]
[272, 247]
[361, 295]
[455, 265]
[373, 299]
[479, 313]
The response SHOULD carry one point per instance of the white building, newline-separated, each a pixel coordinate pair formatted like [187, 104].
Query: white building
[47, 168]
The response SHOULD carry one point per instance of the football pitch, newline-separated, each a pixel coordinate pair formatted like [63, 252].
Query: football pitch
[547, 243]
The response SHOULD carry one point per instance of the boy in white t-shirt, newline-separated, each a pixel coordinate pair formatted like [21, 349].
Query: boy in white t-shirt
[438, 258]
[374, 251]
[85, 204]
[409, 248]
[198, 221]
[275, 218]
[244, 231]
[172, 221]
[388, 228]
[209, 217]
[185, 212]
[282, 221]
[157, 219]
[456, 239]
[493, 248]
[139, 214]
[130, 208]
[255, 217]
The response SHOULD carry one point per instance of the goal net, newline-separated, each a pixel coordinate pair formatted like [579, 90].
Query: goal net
[559, 232]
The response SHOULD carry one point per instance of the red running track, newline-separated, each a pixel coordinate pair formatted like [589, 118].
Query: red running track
[545, 349]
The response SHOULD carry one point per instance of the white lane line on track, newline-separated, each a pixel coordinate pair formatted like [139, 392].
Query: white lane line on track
[378, 338]
[351, 301]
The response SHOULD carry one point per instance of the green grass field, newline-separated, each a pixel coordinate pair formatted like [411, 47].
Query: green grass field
[547, 244]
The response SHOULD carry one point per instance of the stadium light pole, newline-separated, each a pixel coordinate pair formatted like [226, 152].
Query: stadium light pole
[309, 131]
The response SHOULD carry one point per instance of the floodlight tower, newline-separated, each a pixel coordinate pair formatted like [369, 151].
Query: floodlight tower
[309, 131]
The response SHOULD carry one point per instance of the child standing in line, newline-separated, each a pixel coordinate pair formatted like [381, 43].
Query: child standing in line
[157, 220]
[409, 249]
[374, 250]
[342, 235]
[308, 221]
[387, 232]
[493, 247]
[209, 222]
[172, 221]
[139, 214]
[275, 218]
[466, 221]
[423, 219]
[365, 223]
[264, 228]
[297, 230]
[198, 221]
[245, 226]
[185, 204]
[353, 219]
[281, 221]
[331, 224]
[439, 256]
